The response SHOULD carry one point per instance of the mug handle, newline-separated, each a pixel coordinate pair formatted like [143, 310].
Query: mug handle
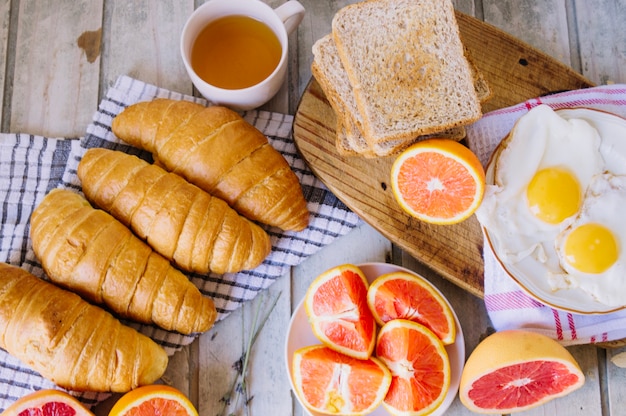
[291, 13]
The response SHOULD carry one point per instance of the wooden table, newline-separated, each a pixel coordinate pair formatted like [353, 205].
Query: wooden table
[59, 58]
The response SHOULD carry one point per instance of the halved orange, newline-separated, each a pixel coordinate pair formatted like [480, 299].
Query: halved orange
[402, 295]
[330, 382]
[153, 400]
[516, 370]
[336, 306]
[47, 402]
[439, 181]
[419, 365]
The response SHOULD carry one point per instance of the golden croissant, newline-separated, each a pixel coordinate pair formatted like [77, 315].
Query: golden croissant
[198, 232]
[216, 149]
[89, 252]
[67, 340]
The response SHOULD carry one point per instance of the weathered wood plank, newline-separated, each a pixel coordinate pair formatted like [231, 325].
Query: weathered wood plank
[603, 52]
[616, 374]
[540, 23]
[57, 59]
[142, 41]
[5, 12]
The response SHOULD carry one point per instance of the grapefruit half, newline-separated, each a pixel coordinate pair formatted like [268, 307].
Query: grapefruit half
[47, 402]
[336, 306]
[515, 370]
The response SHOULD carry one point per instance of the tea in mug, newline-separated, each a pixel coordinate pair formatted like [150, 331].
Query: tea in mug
[235, 52]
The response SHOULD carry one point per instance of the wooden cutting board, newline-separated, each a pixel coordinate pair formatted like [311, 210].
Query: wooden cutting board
[515, 72]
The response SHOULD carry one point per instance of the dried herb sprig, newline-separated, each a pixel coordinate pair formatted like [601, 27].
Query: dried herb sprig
[239, 387]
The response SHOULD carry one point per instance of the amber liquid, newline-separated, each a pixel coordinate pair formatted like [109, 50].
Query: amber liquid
[235, 52]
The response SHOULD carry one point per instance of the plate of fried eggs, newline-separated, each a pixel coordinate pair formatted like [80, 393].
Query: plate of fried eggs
[554, 210]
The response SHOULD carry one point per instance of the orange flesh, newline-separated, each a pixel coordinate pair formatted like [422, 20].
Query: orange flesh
[426, 378]
[323, 369]
[158, 406]
[521, 385]
[436, 185]
[344, 300]
[400, 298]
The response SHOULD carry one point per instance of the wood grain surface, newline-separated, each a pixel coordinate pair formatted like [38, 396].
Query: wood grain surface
[515, 72]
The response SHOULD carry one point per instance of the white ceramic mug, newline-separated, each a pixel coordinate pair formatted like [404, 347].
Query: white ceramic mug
[283, 20]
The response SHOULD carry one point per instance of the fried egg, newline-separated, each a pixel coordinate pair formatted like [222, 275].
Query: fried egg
[540, 178]
[591, 249]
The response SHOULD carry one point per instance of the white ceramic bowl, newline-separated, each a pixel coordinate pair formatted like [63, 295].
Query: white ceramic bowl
[300, 335]
[529, 273]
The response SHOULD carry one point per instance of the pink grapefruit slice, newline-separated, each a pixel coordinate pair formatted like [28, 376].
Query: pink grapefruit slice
[336, 306]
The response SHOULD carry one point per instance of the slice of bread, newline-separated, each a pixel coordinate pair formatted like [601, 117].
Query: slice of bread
[330, 74]
[405, 63]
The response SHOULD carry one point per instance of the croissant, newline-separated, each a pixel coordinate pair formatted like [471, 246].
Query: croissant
[89, 252]
[74, 344]
[217, 150]
[197, 231]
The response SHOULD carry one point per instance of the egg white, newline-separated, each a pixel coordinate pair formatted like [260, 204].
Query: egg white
[603, 204]
[540, 139]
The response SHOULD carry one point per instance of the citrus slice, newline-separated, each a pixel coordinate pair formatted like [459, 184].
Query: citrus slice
[515, 370]
[336, 306]
[439, 181]
[153, 400]
[402, 295]
[419, 365]
[330, 382]
[47, 402]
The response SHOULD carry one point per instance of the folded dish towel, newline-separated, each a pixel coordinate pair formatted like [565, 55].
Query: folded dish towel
[507, 304]
[30, 166]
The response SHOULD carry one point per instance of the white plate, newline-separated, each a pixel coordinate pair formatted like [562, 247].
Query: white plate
[529, 273]
[300, 335]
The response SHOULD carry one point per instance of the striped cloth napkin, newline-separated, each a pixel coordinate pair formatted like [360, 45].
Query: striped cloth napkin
[507, 304]
[30, 166]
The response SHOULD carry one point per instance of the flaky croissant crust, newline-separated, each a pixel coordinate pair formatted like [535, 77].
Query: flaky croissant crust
[89, 252]
[74, 344]
[216, 149]
[197, 231]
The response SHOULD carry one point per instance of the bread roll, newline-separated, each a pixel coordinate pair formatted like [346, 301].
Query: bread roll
[217, 150]
[91, 253]
[74, 344]
[198, 232]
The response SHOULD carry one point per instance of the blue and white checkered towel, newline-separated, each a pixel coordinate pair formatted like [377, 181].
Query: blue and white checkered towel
[30, 166]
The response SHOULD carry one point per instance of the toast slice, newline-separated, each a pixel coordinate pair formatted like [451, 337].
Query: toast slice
[405, 63]
[330, 74]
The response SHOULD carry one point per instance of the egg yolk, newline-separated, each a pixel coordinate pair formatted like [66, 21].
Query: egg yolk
[553, 195]
[591, 248]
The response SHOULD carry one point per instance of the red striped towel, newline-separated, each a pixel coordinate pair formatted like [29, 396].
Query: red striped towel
[508, 305]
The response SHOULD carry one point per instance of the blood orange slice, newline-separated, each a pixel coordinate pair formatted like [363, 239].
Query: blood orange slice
[47, 402]
[515, 370]
[419, 365]
[439, 181]
[336, 306]
[152, 400]
[330, 382]
[407, 296]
